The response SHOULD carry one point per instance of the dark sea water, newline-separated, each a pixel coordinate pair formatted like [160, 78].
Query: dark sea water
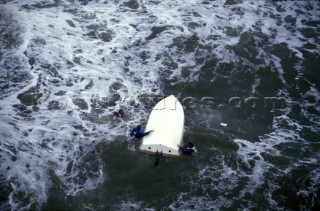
[65, 66]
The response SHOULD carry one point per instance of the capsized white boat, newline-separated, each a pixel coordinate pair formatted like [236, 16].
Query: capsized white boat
[167, 122]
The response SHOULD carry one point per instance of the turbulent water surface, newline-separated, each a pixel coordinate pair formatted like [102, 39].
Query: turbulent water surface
[66, 65]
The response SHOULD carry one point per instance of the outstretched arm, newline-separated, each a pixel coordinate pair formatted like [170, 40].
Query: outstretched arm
[145, 133]
[132, 133]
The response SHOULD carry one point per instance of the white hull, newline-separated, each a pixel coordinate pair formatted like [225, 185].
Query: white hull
[167, 121]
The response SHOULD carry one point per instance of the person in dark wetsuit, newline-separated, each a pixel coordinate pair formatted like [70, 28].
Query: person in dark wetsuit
[119, 113]
[138, 133]
[188, 148]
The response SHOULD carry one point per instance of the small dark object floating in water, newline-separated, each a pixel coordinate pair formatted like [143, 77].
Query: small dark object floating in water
[156, 164]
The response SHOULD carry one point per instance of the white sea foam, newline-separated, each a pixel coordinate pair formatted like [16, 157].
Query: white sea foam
[131, 205]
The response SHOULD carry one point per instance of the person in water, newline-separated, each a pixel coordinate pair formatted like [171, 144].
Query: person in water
[119, 113]
[138, 133]
[188, 148]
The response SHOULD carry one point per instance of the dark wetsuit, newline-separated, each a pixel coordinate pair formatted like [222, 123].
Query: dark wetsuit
[186, 150]
[136, 132]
